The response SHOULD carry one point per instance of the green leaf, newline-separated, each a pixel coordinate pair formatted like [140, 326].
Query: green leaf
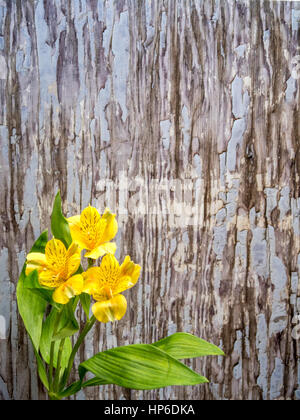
[68, 325]
[47, 338]
[76, 386]
[59, 225]
[184, 346]
[85, 300]
[139, 366]
[32, 283]
[32, 280]
[94, 382]
[47, 296]
[31, 306]
[71, 390]
[41, 370]
[40, 243]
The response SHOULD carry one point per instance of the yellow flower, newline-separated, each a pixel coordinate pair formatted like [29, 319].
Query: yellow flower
[105, 283]
[55, 269]
[94, 232]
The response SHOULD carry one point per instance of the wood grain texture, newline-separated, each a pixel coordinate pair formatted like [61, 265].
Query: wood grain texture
[182, 117]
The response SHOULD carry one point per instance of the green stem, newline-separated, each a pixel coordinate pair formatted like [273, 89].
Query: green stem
[58, 317]
[87, 328]
[76, 299]
[58, 366]
[51, 365]
[54, 397]
[80, 339]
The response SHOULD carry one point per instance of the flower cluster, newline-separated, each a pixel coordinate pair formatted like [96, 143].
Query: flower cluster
[59, 267]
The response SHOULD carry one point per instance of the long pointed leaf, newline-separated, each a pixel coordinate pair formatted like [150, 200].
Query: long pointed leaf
[139, 366]
[59, 225]
[41, 370]
[31, 306]
[68, 325]
[46, 339]
[184, 346]
[71, 390]
[32, 283]
[85, 300]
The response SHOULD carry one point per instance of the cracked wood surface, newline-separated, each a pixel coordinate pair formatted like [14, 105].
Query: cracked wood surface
[183, 118]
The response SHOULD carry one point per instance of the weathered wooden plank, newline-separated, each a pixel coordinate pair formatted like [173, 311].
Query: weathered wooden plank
[183, 117]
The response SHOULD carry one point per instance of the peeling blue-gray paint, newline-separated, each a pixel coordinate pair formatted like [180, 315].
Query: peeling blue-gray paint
[271, 194]
[277, 379]
[235, 141]
[291, 89]
[259, 253]
[262, 346]
[295, 206]
[219, 240]
[240, 99]
[295, 19]
[120, 49]
[284, 203]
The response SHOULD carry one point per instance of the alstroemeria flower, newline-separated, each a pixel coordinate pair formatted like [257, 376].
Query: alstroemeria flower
[56, 268]
[105, 283]
[94, 232]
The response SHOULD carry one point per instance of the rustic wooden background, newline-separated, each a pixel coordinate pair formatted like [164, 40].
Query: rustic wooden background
[183, 117]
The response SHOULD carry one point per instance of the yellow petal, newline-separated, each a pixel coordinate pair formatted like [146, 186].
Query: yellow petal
[68, 289]
[124, 283]
[31, 267]
[108, 275]
[110, 310]
[92, 273]
[91, 281]
[76, 284]
[93, 284]
[73, 249]
[127, 266]
[35, 261]
[136, 273]
[89, 232]
[56, 252]
[77, 236]
[111, 228]
[74, 220]
[73, 264]
[59, 295]
[90, 287]
[109, 266]
[50, 278]
[36, 258]
[89, 217]
[72, 259]
[129, 274]
[107, 248]
[75, 229]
